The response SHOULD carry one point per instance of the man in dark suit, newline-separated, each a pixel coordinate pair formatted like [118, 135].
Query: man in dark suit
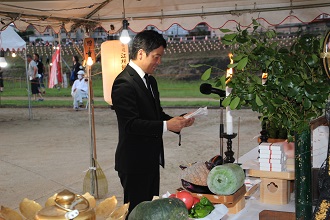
[141, 120]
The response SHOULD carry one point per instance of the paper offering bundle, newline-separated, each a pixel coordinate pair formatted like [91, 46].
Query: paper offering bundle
[198, 112]
[272, 157]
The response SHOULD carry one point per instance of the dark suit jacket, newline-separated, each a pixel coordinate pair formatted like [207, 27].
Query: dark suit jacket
[140, 123]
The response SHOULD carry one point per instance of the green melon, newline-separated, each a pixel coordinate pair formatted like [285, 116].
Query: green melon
[160, 209]
[225, 179]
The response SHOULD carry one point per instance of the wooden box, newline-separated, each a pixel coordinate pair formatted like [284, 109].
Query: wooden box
[274, 191]
[234, 202]
[274, 186]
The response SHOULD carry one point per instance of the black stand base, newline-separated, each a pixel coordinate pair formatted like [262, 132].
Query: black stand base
[229, 153]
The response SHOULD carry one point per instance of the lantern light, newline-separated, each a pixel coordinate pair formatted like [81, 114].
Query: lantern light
[89, 59]
[115, 57]
[3, 62]
[13, 54]
[124, 37]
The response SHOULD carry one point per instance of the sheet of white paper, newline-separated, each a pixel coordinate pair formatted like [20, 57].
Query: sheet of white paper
[320, 145]
[198, 112]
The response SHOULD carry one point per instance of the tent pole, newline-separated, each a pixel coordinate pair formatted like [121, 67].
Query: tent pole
[60, 41]
[28, 87]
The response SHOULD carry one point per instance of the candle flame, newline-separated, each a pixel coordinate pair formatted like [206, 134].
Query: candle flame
[230, 70]
[230, 55]
[264, 75]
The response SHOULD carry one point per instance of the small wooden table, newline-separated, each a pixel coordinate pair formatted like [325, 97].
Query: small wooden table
[274, 186]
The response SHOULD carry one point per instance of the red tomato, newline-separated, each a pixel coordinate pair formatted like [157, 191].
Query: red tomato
[196, 200]
[186, 197]
[172, 196]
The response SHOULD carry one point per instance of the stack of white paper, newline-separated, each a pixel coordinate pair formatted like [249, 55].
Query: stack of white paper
[272, 157]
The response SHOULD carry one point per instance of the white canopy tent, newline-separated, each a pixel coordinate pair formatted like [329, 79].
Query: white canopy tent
[162, 14]
[10, 40]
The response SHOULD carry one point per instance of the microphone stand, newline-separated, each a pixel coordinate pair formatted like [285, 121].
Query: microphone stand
[221, 130]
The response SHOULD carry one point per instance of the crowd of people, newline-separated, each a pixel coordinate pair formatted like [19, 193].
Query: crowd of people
[36, 74]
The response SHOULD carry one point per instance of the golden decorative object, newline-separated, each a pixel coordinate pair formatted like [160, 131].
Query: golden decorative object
[51, 200]
[29, 208]
[91, 200]
[120, 213]
[106, 207]
[9, 214]
[325, 55]
[64, 203]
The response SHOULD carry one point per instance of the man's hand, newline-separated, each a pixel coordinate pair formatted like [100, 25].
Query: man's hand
[177, 123]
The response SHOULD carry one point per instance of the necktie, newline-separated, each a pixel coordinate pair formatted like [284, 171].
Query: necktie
[146, 76]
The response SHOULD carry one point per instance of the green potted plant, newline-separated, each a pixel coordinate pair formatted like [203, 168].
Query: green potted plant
[295, 91]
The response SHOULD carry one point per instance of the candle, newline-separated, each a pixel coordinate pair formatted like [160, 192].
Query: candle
[229, 117]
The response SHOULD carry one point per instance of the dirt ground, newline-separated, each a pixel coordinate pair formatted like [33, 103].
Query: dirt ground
[51, 152]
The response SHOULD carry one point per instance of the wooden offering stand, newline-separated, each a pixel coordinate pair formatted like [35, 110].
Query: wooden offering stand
[234, 202]
[274, 187]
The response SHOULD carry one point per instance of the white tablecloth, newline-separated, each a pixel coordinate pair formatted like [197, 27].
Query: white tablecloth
[253, 206]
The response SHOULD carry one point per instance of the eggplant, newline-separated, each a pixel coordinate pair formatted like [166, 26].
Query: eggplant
[195, 188]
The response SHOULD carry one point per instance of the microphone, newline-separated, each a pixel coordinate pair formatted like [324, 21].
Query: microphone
[207, 89]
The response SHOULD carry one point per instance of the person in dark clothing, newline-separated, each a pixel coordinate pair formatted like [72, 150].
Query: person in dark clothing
[1, 80]
[75, 68]
[41, 71]
[142, 121]
[33, 76]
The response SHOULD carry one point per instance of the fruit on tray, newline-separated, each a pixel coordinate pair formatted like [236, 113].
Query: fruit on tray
[201, 209]
[186, 197]
[160, 209]
[196, 174]
[225, 179]
[215, 161]
[195, 188]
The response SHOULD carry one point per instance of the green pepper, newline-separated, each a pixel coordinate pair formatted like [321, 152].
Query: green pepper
[201, 213]
[201, 209]
[204, 201]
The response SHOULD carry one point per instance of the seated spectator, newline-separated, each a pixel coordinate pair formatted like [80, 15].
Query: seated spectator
[79, 90]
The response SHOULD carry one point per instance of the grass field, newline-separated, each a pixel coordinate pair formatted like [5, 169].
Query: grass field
[184, 94]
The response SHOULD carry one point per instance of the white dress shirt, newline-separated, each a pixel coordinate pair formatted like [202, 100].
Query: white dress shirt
[141, 74]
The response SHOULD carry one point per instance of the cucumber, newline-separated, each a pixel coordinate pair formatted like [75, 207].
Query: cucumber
[225, 179]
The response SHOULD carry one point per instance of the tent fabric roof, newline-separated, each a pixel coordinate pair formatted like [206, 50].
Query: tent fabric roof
[161, 13]
[10, 40]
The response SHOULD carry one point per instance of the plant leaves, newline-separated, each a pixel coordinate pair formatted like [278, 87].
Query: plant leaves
[226, 101]
[196, 65]
[232, 65]
[255, 23]
[242, 63]
[258, 101]
[229, 37]
[223, 30]
[234, 103]
[307, 103]
[207, 74]
[237, 58]
[223, 81]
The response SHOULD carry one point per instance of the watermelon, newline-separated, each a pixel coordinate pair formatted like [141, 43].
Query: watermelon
[160, 209]
[225, 179]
